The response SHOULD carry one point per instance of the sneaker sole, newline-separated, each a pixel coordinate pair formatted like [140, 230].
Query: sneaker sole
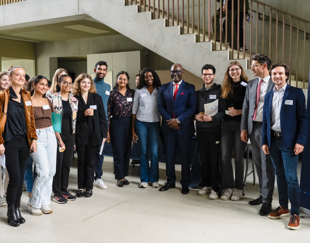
[277, 217]
[213, 198]
[49, 212]
[54, 200]
[235, 199]
[293, 228]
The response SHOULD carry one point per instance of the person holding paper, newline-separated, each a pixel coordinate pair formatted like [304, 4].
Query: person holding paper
[208, 128]
[45, 157]
[119, 113]
[284, 135]
[233, 92]
[103, 89]
[146, 125]
[18, 138]
[65, 106]
[91, 129]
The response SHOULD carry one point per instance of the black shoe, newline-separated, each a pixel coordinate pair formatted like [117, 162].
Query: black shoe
[257, 201]
[265, 209]
[12, 218]
[68, 196]
[19, 216]
[120, 183]
[166, 187]
[80, 193]
[59, 198]
[88, 193]
[126, 182]
[185, 190]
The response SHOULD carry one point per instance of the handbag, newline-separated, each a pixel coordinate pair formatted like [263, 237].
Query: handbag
[56, 121]
[4, 113]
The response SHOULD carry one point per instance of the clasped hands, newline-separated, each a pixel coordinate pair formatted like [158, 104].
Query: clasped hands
[173, 123]
[203, 117]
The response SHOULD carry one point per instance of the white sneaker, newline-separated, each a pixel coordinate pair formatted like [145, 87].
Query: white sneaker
[227, 194]
[2, 202]
[100, 183]
[144, 185]
[236, 195]
[155, 185]
[46, 209]
[34, 211]
[213, 195]
[204, 190]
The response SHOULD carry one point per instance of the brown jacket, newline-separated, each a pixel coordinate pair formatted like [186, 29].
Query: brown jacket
[31, 129]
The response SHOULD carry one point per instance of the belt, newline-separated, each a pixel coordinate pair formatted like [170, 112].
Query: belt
[277, 134]
[257, 123]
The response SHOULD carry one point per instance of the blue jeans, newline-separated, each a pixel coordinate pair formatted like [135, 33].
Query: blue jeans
[30, 175]
[285, 164]
[148, 138]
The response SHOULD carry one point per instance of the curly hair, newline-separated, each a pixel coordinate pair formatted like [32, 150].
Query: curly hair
[55, 80]
[226, 85]
[76, 89]
[156, 83]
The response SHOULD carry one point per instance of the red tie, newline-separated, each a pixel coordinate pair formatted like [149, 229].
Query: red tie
[175, 91]
[257, 98]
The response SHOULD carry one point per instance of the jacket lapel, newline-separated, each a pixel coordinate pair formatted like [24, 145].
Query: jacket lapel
[286, 93]
[170, 90]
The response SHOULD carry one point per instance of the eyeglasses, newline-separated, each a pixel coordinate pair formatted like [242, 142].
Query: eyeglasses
[254, 65]
[234, 70]
[207, 74]
[66, 83]
[176, 72]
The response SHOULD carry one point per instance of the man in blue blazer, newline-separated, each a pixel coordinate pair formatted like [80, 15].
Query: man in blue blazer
[284, 134]
[177, 104]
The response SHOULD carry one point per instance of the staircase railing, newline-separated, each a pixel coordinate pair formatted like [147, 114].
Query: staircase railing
[251, 24]
[4, 2]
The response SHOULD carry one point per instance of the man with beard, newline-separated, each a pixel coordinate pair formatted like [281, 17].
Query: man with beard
[103, 89]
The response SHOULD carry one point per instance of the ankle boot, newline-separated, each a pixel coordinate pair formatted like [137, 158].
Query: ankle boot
[12, 218]
[19, 216]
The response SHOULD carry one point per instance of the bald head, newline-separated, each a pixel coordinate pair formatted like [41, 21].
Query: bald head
[177, 72]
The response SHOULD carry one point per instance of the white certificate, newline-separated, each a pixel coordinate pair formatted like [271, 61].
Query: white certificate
[212, 108]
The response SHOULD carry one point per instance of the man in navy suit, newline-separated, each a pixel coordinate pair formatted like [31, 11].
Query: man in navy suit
[284, 134]
[177, 104]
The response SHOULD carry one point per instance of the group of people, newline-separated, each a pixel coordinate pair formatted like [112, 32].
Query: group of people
[86, 113]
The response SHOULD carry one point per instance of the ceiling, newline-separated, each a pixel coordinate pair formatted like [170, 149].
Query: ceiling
[59, 31]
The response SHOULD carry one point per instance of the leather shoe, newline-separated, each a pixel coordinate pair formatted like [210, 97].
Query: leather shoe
[80, 193]
[126, 182]
[19, 216]
[88, 193]
[185, 190]
[265, 209]
[257, 201]
[166, 187]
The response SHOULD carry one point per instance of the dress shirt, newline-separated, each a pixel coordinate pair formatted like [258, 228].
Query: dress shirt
[276, 108]
[145, 105]
[263, 91]
[179, 83]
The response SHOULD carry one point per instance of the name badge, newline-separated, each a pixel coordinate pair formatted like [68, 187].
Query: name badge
[107, 92]
[93, 107]
[46, 107]
[75, 107]
[143, 95]
[288, 102]
[212, 97]
[129, 99]
[244, 84]
[28, 103]
[217, 142]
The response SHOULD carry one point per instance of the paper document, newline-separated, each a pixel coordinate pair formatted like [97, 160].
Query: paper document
[2, 160]
[212, 108]
[102, 146]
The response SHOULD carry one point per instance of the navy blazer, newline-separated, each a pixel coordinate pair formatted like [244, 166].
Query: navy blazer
[183, 107]
[293, 118]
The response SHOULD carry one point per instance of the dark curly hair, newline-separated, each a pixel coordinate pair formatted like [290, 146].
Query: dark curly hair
[156, 83]
[280, 64]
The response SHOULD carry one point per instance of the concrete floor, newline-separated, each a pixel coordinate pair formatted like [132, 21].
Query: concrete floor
[131, 214]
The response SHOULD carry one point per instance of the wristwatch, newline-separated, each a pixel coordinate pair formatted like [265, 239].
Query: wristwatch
[178, 121]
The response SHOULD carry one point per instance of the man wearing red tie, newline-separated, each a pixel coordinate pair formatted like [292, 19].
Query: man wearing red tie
[177, 104]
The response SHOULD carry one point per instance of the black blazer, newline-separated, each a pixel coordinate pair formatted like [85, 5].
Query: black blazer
[97, 123]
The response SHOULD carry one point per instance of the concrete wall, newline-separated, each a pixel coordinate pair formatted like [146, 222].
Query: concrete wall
[74, 67]
[27, 65]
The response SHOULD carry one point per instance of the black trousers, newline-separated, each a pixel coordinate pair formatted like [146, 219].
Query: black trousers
[209, 147]
[120, 133]
[64, 159]
[173, 140]
[17, 154]
[87, 155]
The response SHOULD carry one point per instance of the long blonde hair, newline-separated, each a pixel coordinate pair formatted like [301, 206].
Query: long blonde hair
[76, 89]
[226, 85]
[55, 79]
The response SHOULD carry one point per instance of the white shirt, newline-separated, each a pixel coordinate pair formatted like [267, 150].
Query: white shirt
[179, 83]
[276, 108]
[263, 91]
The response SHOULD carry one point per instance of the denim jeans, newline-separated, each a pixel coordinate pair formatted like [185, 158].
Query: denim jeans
[231, 139]
[30, 174]
[148, 138]
[285, 164]
[45, 161]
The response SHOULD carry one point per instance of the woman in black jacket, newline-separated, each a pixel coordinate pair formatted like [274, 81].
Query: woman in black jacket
[91, 129]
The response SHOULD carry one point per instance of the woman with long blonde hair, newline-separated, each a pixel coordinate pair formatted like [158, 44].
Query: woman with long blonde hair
[58, 73]
[233, 92]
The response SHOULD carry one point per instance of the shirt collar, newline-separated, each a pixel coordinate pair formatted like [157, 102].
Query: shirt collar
[280, 90]
[266, 79]
[179, 83]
